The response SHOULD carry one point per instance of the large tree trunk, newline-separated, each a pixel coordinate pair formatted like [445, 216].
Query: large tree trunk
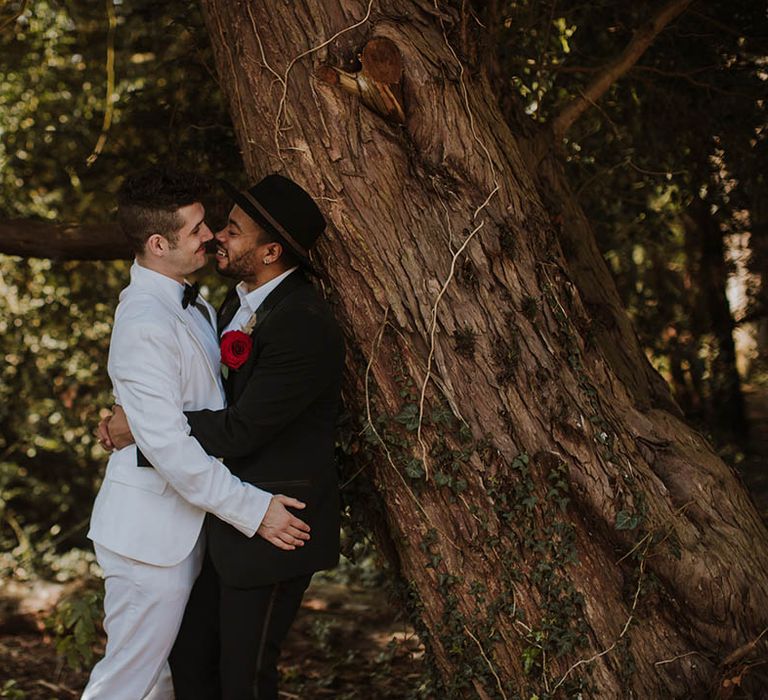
[540, 147]
[554, 533]
[610, 326]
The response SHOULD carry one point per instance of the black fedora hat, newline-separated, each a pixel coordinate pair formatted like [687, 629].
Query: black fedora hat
[285, 210]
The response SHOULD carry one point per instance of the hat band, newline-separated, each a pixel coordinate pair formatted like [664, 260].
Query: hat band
[274, 224]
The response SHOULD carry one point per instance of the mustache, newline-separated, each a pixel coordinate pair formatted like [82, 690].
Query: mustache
[211, 246]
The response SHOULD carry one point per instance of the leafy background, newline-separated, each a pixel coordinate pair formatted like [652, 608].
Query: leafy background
[670, 168]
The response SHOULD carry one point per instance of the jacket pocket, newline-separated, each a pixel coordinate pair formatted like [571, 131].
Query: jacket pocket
[145, 479]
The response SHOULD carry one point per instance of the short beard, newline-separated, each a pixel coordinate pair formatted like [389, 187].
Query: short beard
[241, 267]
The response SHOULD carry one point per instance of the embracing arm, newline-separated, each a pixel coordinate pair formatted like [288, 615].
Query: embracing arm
[303, 353]
[144, 366]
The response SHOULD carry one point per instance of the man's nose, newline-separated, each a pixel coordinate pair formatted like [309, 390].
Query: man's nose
[207, 234]
[219, 235]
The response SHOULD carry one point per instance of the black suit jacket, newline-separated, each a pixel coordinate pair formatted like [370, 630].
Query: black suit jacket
[278, 432]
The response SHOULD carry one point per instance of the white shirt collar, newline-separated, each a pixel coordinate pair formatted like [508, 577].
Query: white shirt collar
[253, 299]
[167, 286]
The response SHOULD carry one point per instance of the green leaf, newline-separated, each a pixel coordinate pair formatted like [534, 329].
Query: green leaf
[415, 469]
[529, 657]
[626, 520]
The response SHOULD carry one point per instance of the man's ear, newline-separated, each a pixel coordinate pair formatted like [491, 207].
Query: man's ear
[274, 251]
[157, 245]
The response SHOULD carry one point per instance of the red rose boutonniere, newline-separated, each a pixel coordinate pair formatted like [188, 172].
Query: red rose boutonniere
[236, 348]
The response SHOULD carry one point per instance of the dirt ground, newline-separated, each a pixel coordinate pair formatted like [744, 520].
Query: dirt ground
[347, 642]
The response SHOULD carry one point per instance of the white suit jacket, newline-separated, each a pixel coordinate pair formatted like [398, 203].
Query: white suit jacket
[163, 361]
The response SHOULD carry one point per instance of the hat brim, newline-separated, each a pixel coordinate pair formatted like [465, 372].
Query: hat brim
[237, 196]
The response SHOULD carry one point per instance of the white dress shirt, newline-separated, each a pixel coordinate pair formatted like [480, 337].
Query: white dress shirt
[250, 301]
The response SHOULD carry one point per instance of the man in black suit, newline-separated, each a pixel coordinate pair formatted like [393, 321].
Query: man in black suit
[283, 395]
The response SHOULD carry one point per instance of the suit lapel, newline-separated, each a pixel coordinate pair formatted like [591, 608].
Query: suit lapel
[236, 380]
[284, 289]
[179, 313]
[231, 303]
[213, 370]
[144, 282]
[227, 310]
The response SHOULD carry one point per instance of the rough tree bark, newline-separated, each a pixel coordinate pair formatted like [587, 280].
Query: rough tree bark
[554, 533]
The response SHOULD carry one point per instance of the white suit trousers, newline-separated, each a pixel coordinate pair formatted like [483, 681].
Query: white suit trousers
[143, 607]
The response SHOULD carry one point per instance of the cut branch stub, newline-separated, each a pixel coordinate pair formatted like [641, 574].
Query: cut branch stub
[377, 83]
[381, 61]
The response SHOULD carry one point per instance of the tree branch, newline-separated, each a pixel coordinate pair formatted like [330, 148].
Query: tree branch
[42, 239]
[618, 67]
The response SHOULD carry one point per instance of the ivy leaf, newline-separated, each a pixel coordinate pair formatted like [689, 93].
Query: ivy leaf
[415, 469]
[460, 485]
[626, 520]
[530, 502]
[529, 656]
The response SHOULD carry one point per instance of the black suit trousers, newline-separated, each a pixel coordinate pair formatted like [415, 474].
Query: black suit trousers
[230, 638]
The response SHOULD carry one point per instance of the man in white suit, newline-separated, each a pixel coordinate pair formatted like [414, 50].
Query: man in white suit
[147, 519]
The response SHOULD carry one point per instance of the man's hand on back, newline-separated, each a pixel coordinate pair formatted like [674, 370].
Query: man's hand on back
[117, 429]
[279, 527]
[282, 529]
[102, 434]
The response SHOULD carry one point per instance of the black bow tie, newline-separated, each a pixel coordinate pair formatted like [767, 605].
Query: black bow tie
[191, 292]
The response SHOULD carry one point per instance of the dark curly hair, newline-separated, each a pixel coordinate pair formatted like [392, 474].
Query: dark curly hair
[148, 203]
